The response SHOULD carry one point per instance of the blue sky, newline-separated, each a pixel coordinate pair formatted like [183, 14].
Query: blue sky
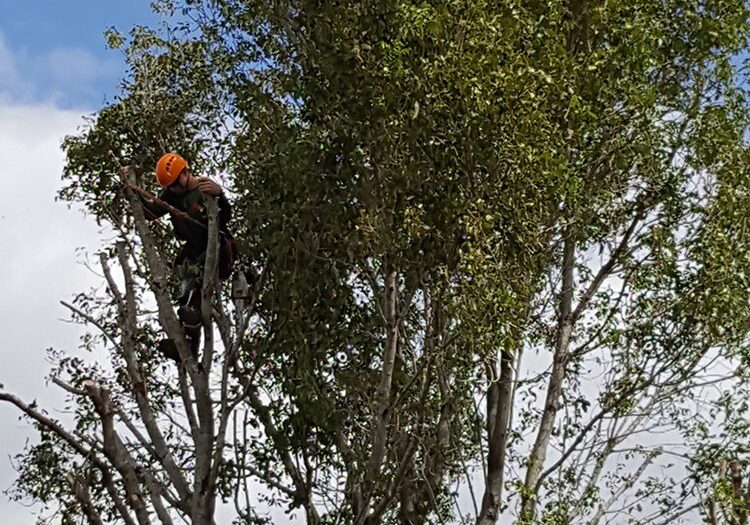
[54, 51]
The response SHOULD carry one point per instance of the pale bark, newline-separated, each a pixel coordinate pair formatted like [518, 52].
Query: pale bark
[81, 492]
[617, 494]
[382, 401]
[383, 396]
[204, 492]
[128, 323]
[568, 316]
[554, 389]
[117, 453]
[302, 492]
[203, 488]
[80, 448]
[159, 284]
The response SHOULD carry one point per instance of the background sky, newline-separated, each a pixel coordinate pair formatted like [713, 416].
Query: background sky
[53, 51]
[54, 69]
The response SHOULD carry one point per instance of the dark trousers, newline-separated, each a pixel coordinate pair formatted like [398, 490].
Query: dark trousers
[191, 270]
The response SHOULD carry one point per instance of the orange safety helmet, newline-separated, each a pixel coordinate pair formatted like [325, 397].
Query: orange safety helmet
[168, 168]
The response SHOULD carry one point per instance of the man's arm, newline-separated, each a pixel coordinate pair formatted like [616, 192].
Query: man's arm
[153, 210]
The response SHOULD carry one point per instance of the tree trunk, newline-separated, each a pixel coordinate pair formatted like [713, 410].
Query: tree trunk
[499, 398]
[554, 389]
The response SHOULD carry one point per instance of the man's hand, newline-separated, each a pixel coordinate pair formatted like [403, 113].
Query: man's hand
[206, 185]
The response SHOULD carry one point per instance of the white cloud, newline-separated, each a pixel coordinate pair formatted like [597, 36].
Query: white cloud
[38, 267]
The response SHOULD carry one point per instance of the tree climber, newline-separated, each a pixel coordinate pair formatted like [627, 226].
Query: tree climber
[186, 192]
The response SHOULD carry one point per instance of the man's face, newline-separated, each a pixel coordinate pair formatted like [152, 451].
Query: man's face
[179, 186]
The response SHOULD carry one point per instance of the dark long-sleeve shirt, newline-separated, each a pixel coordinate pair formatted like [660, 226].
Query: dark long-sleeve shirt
[194, 204]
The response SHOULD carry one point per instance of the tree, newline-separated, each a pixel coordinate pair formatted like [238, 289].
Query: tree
[428, 194]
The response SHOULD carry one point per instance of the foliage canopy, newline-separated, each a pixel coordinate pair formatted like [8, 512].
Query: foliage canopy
[487, 242]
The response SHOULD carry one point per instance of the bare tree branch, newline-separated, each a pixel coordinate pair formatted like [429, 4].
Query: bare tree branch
[78, 446]
[117, 452]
